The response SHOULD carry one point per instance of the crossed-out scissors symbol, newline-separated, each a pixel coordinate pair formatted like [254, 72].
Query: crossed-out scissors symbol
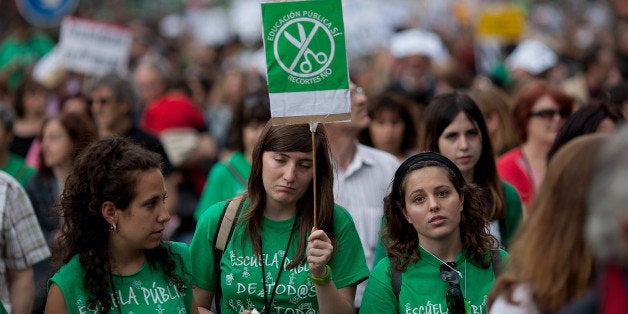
[304, 51]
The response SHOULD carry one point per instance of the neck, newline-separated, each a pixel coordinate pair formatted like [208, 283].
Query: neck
[444, 249]
[279, 212]
[120, 128]
[4, 157]
[124, 261]
[535, 153]
[342, 146]
[468, 176]
[61, 173]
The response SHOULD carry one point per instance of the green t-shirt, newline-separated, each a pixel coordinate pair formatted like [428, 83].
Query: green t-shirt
[222, 184]
[509, 225]
[17, 56]
[241, 272]
[149, 290]
[18, 169]
[422, 288]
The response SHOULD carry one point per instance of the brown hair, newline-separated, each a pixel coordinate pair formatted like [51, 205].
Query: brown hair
[549, 251]
[492, 100]
[440, 113]
[528, 95]
[293, 138]
[81, 131]
[399, 237]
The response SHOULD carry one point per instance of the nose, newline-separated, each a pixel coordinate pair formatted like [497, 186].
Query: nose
[164, 215]
[464, 143]
[290, 172]
[433, 203]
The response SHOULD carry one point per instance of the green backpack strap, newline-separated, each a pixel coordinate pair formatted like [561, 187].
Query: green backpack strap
[496, 260]
[395, 275]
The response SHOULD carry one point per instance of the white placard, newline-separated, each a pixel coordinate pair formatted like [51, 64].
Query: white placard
[92, 47]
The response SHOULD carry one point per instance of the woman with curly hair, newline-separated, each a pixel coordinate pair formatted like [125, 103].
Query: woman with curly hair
[437, 243]
[114, 259]
[455, 127]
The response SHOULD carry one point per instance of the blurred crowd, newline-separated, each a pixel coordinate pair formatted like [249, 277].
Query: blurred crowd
[195, 92]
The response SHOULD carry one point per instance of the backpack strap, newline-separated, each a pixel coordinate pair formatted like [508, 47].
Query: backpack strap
[226, 222]
[235, 173]
[226, 225]
[496, 260]
[395, 275]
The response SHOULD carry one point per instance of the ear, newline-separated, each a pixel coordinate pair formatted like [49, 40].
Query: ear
[109, 212]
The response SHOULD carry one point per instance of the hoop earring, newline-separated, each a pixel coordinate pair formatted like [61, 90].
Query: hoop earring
[114, 228]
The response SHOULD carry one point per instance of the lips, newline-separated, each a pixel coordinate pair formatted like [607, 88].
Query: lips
[437, 219]
[464, 159]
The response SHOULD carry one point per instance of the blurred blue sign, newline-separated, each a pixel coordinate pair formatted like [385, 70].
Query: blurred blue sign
[45, 13]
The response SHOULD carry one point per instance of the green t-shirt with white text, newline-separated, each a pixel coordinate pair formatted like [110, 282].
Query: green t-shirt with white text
[241, 272]
[147, 291]
[422, 288]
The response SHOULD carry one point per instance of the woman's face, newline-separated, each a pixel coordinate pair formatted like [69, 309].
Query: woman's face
[56, 145]
[432, 205]
[286, 177]
[461, 142]
[545, 121]
[35, 100]
[141, 225]
[386, 130]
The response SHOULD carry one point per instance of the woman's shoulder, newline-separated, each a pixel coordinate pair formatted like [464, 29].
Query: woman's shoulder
[509, 156]
[179, 247]
[69, 272]
[342, 214]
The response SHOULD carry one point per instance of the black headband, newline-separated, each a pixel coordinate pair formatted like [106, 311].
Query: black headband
[409, 163]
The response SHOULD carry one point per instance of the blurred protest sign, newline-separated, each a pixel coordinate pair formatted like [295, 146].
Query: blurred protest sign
[306, 60]
[94, 48]
[496, 25]
[504, 23]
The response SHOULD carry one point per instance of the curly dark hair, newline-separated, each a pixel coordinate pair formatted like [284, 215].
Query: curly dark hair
[401, 240]
[103, 172]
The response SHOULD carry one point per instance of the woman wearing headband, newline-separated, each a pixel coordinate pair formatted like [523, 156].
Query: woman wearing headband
[437, 243]
[275, 261]
[454, 126]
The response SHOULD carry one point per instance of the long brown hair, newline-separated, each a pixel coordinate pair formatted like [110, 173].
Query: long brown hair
[440, 113]
[399, 237]
[293, 138]
[549, 251]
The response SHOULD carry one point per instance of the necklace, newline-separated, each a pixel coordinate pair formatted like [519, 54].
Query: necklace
[440, 260]
[457, 271]
[268, 304]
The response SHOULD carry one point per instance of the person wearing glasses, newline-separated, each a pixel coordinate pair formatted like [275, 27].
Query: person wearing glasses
[282, 257]
[437, 242]
[539, 113]
[111, 247]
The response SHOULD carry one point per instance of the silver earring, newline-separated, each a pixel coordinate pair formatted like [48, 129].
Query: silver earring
[114, 228]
